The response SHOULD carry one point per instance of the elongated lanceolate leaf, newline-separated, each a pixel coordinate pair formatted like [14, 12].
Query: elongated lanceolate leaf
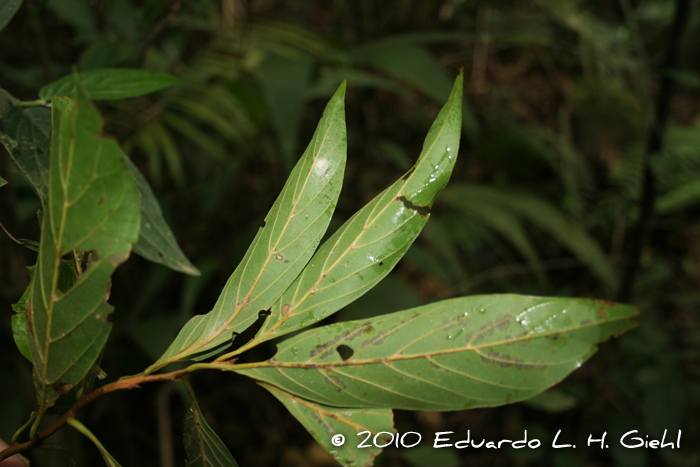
[370, 244]
[156, 241]
[293, 229]
[325, 422]
[203, 447]
[3, 182]
[93, 205]
[478, 351]
[29, 145]
[111, 83]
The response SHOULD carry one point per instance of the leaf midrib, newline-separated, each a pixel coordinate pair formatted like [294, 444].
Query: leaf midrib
[366, 225]
[272, 363]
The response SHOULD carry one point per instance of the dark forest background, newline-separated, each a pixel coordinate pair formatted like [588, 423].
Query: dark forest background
[578, 175]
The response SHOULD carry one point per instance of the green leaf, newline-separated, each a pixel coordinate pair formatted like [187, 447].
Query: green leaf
[202, 446]
[291, 232]
[190, 131]
[93, 206]
[19, 332]
[156, 241]
[480, 208]
[3, 182]
[324, 422]
[679, 198]
[29, 148]
[540, 213]
[19, 319]
[111, 83]
[8, 8]
[171, 152]
[370, 244]
[479, 351]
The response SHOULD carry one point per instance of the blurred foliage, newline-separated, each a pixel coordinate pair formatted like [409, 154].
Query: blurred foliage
[558, 108]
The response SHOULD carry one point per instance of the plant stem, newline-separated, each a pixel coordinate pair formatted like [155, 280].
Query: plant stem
[127, 383]
[33, 103]
[654, 145]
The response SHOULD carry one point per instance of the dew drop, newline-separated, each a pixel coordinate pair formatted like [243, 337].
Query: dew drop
[432, 180]
[448, 149]
[437, 167]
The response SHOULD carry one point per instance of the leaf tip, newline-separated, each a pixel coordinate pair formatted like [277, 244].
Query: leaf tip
[191, 270]
[341, 89]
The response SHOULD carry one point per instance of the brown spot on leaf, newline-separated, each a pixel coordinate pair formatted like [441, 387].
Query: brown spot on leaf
[506, 361]
[334, 381]
[62, 388]
[28, 317]
[100, 201]
[375, 340]
[603, 314]
[328, 347]
[118, 258]
[607, 302]
[281, 258]
[504, 323]
[285, 309]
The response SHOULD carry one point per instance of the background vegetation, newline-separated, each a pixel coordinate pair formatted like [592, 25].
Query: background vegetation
[578, 175]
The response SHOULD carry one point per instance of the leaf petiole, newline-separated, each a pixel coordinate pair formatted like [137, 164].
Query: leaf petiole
[34, 103]
[21, 429]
